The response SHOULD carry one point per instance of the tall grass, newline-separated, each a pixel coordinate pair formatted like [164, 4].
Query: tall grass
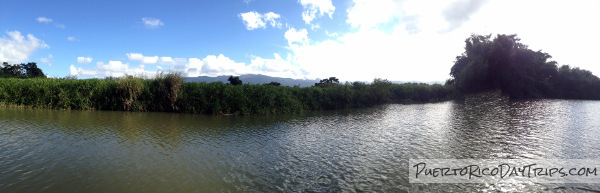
[169, 93]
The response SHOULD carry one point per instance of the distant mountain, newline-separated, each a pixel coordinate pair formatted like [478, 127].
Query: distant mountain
[262, 79]
[255, 79]
[430, 82]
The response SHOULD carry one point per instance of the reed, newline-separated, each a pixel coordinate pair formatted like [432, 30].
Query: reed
[168, 92]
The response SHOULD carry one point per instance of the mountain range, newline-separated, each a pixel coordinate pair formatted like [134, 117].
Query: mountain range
[262, 79]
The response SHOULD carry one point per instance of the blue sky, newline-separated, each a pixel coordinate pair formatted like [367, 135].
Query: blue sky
[406, 40]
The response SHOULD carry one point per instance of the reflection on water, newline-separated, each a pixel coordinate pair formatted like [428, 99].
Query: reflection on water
[350, 150]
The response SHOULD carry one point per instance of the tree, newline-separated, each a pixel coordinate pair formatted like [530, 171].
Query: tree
[11, 70]
[510, 66]
[29, 70]
[32, 71]
[234, 80]
[328, 82]
[273, 84]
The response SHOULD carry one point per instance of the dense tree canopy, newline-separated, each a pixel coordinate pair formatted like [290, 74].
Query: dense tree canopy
[328, 82]
[273, 83]
[506, 64]
[29, 70]
[234, 80]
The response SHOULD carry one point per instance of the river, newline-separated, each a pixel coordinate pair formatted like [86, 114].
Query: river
[352, 150]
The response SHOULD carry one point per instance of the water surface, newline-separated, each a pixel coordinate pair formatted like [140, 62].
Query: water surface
[350, 150]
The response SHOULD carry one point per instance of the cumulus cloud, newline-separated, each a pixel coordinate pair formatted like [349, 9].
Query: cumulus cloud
[152, 23]
[277, 67]
[16, 48]
[369, 54]
[135, 56]
[82, 60]
[368, 13]
[459, 12]
[44, 20]
[149, 59]
[293, 36]
[220, 65]
[418, 40]
[167, 60]
[71, 38]
[254, 20]
[316, 8]
[211, 65]
[112, 68]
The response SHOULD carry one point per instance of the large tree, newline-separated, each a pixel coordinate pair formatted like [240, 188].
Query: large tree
[29, 70]
[506, 64]
[234, 80]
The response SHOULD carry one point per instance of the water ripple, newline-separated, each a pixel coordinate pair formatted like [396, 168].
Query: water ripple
[363, 150]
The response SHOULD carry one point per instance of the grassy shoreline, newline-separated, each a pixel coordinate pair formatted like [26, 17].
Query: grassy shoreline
[169, 93]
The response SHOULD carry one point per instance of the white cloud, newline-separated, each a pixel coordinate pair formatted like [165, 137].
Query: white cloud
[418, 40]
[48, 20]
[277, 67]
[71, 38]
[334, 34]
[460, 11]
[61, 26]
[221, 65]
[150, 59]
[112, 68]
[316, 8]
[82, 60]
[254, 20]
[368, 13]
[369, 54]
[211, 65]
[44, 20]
[47, 60]
[167, 60]
[293, 36]
[16, 48]
[135, 56]
[152, 23]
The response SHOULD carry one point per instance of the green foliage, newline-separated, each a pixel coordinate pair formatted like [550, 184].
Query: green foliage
[165, 91]
[169, 93]
[331, 81]
[273, 84]
[234, 80]
[129, 89]
[29, 70]
[505, 64]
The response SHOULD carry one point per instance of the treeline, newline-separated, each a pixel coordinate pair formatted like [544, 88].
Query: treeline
[170, 93]
[499, 64]
[510, 66]
[29, 70]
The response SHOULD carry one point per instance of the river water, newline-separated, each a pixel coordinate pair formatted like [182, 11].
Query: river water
[349, 150]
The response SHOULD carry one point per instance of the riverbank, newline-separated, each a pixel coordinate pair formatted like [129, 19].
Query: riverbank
[169, 93]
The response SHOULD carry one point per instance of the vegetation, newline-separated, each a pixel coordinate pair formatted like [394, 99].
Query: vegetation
[328, 82]
[502, 63]
[510, 66]
[169, 93]
[29, 70]
[234, 80]
[273, 83]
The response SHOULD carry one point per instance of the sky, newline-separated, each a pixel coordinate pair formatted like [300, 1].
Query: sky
[353, 40]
